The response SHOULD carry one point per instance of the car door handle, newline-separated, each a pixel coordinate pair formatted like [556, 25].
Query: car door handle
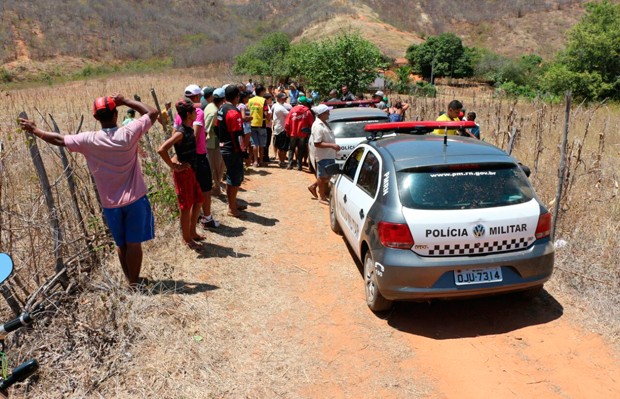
[362, 214]
[345, 198]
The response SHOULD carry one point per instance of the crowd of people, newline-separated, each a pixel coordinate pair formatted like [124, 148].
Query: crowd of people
[218, 134]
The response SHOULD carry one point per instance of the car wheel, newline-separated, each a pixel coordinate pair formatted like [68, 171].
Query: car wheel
[333, 222]
[375, 301]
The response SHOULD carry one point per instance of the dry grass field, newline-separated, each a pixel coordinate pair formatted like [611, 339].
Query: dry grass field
[87, 342]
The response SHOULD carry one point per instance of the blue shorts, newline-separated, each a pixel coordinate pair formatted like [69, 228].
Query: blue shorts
[133, 223]
[259, 137]
[322, 164]
[234, 168]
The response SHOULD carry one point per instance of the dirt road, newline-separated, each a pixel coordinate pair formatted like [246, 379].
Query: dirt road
[274, 307]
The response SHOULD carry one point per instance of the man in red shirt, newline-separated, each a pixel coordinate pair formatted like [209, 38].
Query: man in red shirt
[298, 127]
[233, 143]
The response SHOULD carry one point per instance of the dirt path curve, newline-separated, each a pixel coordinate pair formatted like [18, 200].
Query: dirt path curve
[284, 315]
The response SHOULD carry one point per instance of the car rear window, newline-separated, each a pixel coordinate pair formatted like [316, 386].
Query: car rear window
[352, 129]
[463, 186]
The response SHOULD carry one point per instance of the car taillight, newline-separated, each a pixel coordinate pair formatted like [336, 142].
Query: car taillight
[395, 235]
[543, 229]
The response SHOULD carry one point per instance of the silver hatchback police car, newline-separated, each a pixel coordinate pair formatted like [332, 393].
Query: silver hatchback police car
[437, 217]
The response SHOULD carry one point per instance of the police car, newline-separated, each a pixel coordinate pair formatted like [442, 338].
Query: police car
[348, 127]
[438, 217]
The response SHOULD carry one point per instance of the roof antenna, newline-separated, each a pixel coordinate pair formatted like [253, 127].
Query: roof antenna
[445, 136]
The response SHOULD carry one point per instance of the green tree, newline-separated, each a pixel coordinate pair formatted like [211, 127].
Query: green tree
[440, 56]
[265, 58]
[347, 59]
[497, 69]
[590, 65]
[584, 85]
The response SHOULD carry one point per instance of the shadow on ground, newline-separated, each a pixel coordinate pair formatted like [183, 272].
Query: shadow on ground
[257, 172]
[211, 250]
[159, 287]
[258, 219]
[474, 317]
[228, 231]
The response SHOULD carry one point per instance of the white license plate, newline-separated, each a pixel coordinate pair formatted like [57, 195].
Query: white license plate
[478, 276]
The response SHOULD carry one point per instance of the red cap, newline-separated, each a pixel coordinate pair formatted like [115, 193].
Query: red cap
[104, 103]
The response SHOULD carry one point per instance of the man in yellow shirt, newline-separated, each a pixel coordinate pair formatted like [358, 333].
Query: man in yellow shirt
[454, 109]
[258, 110]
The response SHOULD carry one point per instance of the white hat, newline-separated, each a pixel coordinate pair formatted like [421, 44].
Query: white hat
[193, 90]
[319, 109]
[379, 94]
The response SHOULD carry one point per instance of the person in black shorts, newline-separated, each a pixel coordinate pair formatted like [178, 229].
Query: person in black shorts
[233, 143]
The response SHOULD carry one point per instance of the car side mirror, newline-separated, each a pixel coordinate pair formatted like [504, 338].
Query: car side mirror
[333, 169]
[6, 267]
[525, 169]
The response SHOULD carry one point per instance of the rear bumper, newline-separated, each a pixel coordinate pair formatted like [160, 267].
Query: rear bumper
[403, 275]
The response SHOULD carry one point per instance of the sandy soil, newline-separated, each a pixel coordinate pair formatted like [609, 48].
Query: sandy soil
[278, 310]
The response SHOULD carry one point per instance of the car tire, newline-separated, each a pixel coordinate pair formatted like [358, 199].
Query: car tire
[333, 221]
[375, 301]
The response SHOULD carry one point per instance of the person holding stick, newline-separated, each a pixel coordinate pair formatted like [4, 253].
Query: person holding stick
[112, 157]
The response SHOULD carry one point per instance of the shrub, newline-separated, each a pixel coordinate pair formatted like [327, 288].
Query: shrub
[347, 59]
[5, 76]
[440, 56]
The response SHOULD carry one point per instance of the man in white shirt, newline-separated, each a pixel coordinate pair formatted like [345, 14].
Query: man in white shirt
[280, 139]
[249, 87]
[325, 151]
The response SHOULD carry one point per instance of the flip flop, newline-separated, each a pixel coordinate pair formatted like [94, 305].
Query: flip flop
[324, 201]
[312, 190]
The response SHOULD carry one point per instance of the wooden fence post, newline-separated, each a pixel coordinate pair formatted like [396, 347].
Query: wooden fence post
[562, 169]
[47, 192]
[68, 171]
[513, 138]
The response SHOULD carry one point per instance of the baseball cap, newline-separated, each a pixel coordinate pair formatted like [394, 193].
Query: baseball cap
[104, 104]
[184, 105]
[192, 90]
[219, 93]
[207, 91]
[319, 109]
[281, 95]
[379, 94]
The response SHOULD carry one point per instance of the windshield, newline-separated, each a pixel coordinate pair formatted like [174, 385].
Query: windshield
[463, 186]
[352, 129]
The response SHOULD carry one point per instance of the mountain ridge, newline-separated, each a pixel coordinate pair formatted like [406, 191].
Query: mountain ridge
[54, 38]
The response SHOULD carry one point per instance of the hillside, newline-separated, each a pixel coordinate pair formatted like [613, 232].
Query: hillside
[53, 38]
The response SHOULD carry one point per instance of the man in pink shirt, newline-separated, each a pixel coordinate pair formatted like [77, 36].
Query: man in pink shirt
[112, 157]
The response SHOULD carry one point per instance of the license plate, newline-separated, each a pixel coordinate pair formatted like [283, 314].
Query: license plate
[478, 276]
